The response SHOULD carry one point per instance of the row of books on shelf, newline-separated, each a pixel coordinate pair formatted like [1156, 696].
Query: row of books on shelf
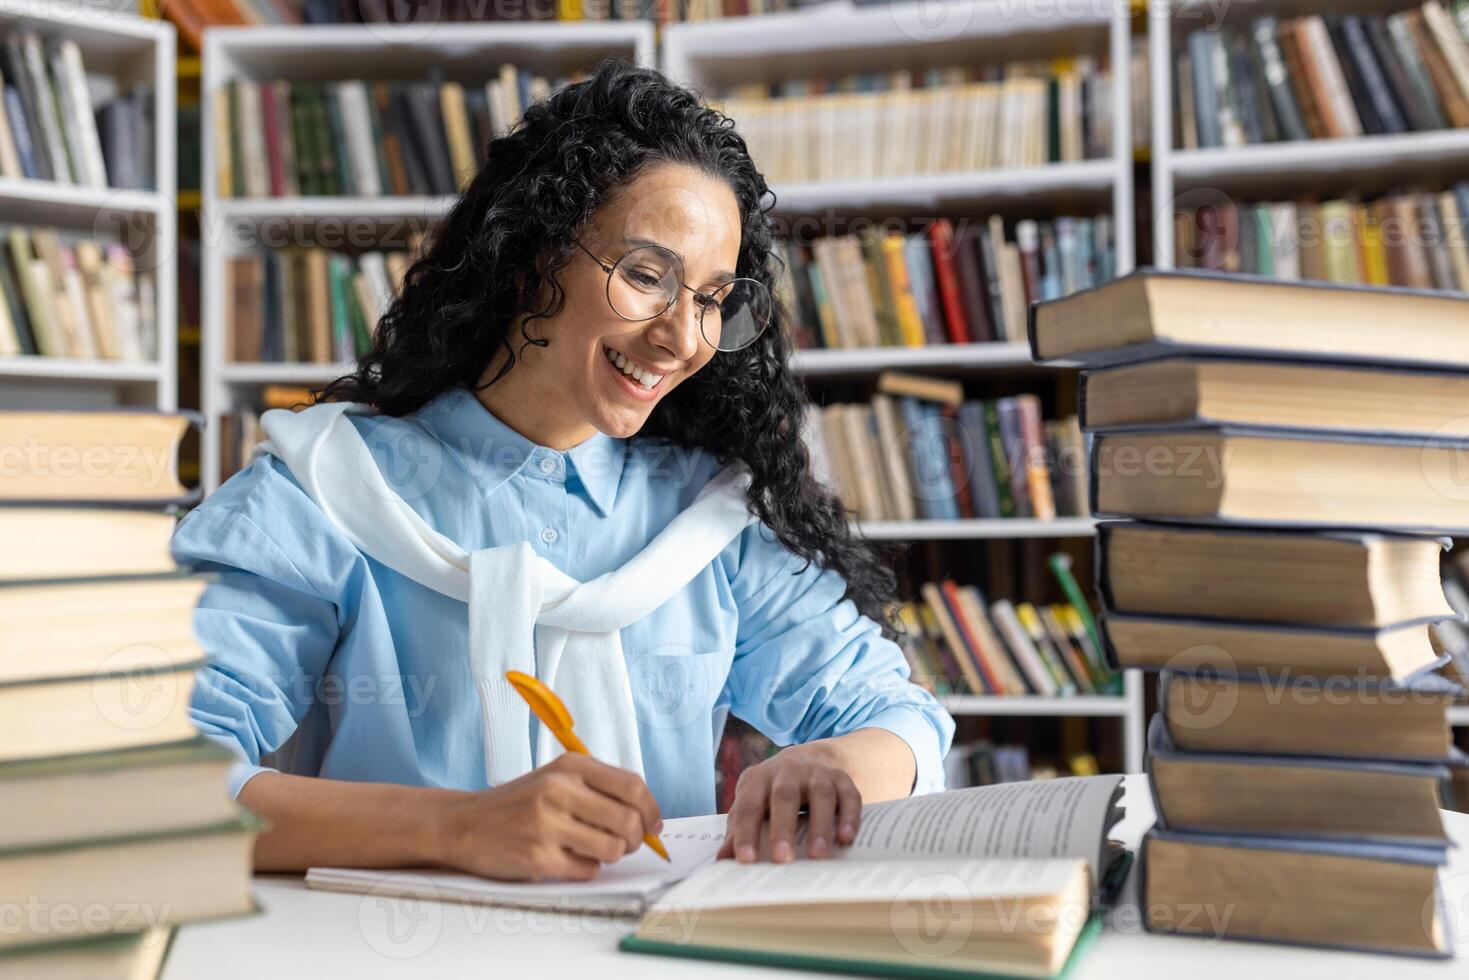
[362, 138]
[191, 17]
[1418, 240]
[51, 127]
[939, 121]
[116, 808]
[956, 281]
[1274, 556]
[308, 305]
[240, 431]
[1325, 76]
[73, 297]
[958, 643]
[983, 763]
[919, 451]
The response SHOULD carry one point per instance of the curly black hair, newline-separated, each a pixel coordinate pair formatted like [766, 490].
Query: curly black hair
[492, 263]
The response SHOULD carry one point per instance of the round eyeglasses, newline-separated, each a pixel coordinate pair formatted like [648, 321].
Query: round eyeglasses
[646, 281]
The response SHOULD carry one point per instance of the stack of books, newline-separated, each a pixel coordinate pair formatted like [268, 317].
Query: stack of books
[1325, 76]
[1415, 240]
[118, 826]
[920, 451]
[62, 294]
[1284, 456]
[309, 305]
[952, 282]
[369, 139]
[943, 120]
[50, 128]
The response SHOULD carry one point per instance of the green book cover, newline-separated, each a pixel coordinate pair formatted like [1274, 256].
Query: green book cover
[1061, 568]
[337, 304]
[1053, 119]
[301, 141]
[1001, 460]
[237, 156]
[919, 968]
[337, 127]
[361, 329]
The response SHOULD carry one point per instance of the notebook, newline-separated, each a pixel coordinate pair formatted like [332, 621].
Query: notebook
[623, 888]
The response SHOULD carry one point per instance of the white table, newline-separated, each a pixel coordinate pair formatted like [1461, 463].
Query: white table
[305, 933]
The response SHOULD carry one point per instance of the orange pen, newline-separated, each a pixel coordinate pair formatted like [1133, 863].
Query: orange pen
[553, 714]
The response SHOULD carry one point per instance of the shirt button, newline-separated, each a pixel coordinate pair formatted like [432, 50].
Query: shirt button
[549, 535]
[548, 465]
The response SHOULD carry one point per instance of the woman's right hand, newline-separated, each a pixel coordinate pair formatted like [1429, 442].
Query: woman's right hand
[562, 820]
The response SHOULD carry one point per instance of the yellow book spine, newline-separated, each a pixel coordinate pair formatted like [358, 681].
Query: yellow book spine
[1374, 252]
[910, 326]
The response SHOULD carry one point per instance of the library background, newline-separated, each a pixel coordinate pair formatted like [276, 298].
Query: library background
[209, 202]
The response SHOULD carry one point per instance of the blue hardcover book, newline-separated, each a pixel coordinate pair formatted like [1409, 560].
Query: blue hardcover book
[1295, 795]
[1155, 313]
[1252, 475]
[1222, 646]
[1373, 579]
[1201, 61]
[1282, 713]
[928, 456]
[1382, 898]
[20, 129]
[1374, 897]
[974, 439]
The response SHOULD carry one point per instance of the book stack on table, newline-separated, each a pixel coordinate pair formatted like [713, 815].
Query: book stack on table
[1280, 458]
[117, 826]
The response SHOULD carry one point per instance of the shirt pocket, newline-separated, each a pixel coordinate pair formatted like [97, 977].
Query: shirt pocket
[675, 686]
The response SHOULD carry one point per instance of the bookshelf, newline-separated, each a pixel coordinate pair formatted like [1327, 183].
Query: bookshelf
[837, 39]
[1302, 168]
[130, 50]
[461, 51]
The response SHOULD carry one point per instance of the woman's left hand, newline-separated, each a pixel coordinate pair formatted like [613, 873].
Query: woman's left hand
[776, 789]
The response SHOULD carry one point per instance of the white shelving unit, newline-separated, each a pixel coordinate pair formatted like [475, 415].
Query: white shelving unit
[979, 530]
[832, 40]
[131, 50]
[1302, 167]
[463, 51]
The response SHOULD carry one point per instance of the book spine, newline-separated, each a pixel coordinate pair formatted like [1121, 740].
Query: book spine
[1277, 81]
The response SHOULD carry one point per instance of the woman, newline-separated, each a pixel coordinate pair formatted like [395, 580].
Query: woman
[586, 351]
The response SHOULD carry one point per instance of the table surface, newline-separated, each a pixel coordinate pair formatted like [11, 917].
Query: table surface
[305, 933]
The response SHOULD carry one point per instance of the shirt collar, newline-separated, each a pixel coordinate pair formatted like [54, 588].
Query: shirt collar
[493, 452]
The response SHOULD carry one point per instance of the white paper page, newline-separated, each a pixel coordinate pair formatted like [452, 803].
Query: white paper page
[727, 884]
[691, 842]
[1041, 819]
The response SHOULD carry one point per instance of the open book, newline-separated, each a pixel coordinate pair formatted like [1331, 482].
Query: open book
[1038, 850]
[994, 880]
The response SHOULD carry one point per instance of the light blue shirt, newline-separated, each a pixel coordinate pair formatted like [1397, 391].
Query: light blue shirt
[325, 662]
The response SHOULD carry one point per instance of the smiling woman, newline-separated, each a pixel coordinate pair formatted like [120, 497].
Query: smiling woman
[577, 420]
